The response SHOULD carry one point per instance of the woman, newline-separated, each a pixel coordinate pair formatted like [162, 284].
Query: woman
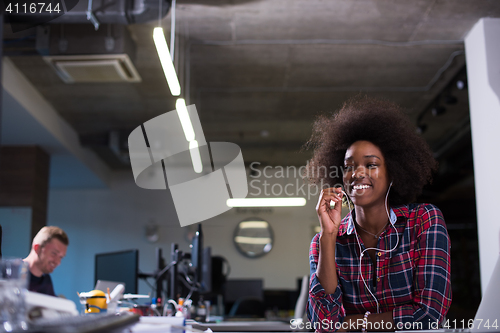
[386, 264]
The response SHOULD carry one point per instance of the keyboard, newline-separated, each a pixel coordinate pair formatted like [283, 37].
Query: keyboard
[96, 323]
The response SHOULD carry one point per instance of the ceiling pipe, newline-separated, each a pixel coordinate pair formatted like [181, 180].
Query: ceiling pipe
[91, 17]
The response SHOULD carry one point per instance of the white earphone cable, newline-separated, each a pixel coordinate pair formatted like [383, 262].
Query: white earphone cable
[372, 248]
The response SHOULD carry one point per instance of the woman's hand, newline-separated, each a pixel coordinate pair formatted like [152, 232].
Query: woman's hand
[330, 218]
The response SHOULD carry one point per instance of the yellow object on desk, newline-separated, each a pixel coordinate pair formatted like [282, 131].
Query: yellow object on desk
[96, 302]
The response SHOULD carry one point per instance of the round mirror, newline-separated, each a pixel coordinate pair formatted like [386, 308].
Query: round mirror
[253, 237]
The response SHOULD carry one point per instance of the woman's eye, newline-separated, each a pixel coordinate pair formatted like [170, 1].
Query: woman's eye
[371, 166]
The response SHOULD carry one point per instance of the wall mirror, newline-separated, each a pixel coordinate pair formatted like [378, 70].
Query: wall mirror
[253, 237]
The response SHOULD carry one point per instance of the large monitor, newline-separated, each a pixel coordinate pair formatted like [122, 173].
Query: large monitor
[201, 261]
[206, 271]
[241, 288]
[120, 266]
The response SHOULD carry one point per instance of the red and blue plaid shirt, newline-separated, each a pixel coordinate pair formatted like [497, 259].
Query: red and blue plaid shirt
[413, 281]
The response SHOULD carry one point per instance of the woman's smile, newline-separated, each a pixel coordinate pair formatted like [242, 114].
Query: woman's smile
[365, 175]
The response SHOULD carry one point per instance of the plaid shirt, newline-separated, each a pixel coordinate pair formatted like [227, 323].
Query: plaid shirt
[413, 281]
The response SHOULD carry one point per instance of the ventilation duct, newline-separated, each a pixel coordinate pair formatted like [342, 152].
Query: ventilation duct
[78, 53]
[78, 39]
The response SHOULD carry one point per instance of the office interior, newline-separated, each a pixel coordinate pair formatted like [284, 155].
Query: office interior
[259, 72]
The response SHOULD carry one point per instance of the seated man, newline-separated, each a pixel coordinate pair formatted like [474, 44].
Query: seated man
[48, 248]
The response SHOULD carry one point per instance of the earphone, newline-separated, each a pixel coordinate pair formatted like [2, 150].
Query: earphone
[362, 252]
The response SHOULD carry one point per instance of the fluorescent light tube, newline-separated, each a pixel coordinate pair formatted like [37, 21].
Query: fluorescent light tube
[252, 240]
[166, 61]
[195, 156]
[266, 202]
[253, 225]
[182, 112]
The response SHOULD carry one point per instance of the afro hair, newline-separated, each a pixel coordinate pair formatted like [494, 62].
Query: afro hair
[408, 158]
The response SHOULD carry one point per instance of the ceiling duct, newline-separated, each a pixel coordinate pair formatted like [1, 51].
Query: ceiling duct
[78, 53]
[111, 146]
[106, 11]
[78, 39]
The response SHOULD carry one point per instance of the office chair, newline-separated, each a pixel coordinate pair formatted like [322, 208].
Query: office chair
[300, 306]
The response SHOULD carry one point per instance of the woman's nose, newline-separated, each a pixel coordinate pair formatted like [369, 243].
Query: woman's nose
[359, 172]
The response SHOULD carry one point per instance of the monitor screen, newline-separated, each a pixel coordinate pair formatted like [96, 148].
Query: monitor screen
[120, 266]
[240, 288]
[206, 271]
[197, 254]
[201, 261]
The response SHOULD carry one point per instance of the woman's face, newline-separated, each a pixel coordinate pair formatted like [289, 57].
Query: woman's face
[365, 174]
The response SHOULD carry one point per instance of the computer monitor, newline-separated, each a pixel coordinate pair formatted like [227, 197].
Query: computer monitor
[201, 262]
[206, 271]
[120, 266]
[197, 253]
[236, 290]
[240, 288]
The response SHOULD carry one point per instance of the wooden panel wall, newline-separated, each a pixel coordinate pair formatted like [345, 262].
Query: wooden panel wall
[24, 181]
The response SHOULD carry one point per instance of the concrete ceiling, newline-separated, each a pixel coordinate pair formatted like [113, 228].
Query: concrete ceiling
[260, 71]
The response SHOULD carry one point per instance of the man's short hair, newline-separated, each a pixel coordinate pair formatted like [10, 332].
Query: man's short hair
[46, 234]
